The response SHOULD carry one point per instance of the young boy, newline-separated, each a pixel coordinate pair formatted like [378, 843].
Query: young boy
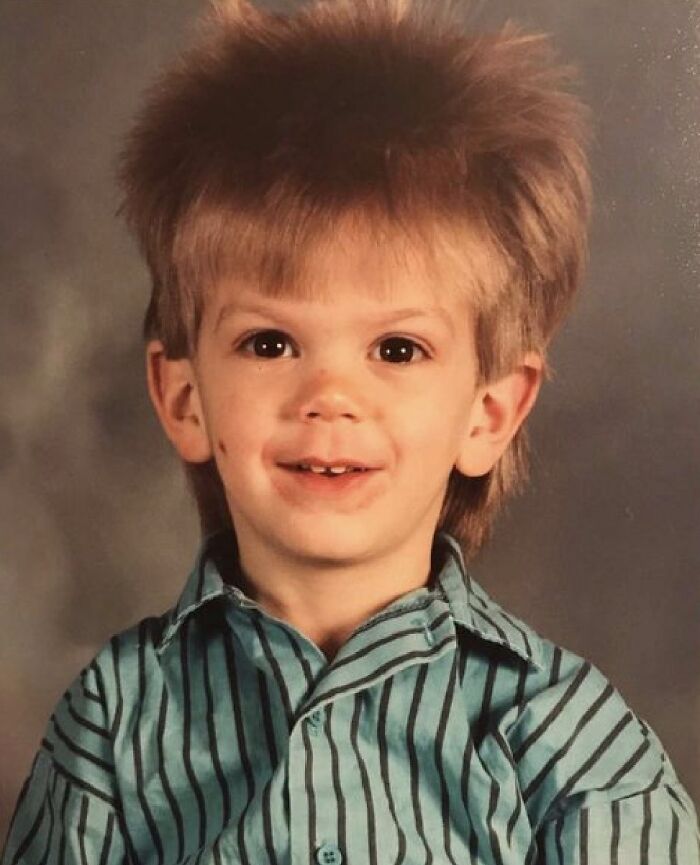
[363, 226]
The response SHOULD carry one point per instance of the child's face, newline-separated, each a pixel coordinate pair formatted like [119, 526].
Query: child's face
[277, 382]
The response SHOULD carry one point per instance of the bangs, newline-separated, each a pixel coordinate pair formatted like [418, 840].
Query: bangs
[283, 254]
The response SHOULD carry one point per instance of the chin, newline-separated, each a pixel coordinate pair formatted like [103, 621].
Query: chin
[325, 546]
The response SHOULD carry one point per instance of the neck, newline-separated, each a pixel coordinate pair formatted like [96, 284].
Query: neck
[327, 600]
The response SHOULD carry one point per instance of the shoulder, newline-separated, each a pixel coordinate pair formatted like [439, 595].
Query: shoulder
[79, 736]
[593, 774]
[571, 736]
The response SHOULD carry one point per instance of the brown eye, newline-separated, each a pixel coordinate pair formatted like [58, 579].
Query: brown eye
[267, 343]
[399, 349]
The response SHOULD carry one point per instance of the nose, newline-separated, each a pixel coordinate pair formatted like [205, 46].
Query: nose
[329, 398]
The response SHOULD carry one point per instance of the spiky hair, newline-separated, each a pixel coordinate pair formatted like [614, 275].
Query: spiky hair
[274, 129]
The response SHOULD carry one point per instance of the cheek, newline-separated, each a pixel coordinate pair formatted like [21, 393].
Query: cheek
[245, 432]
[236, 426]
[430, 428]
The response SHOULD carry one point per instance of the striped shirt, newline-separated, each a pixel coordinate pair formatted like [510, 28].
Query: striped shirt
[445, 730]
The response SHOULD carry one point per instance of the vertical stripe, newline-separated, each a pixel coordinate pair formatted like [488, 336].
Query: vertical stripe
[167, 789]
[493, 836]
[463, 652]
[382, 716]
[115, 729]
[674, 839]
[81, 830]
[560, 846]
[555, 673]
[615, 839]
[54, 822]
[187, 732]
[583, 836]
[136, 743]
[484, 716]
[518, 807]
[276, 671]
[19, 805]
[520, 690]
[119, 708]
[211, 731]
[483, 726]
[217, 852]
[299, 655]
[439, 745]
[473, 817]
[267, 718]
[28, 838]
[272, 750]
[366, 789]
[337, 787]
[64, 805]
[309, 785]
[413, 758]
[107, 845]
[646, 829]
[239, 727]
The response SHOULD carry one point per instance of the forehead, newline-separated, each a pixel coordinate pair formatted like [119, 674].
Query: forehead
[358, 268]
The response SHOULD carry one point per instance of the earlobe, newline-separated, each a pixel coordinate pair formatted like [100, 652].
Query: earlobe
[173, 389]
[498, 410]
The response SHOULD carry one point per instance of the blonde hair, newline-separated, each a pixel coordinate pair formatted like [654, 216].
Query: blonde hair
[274, 128]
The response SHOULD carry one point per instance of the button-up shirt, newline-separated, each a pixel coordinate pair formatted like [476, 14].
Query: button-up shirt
[445, 730]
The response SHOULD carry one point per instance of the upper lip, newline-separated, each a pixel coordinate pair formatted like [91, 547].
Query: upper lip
[334, 463]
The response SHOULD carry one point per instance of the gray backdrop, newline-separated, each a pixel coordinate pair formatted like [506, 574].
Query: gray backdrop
[96, 531]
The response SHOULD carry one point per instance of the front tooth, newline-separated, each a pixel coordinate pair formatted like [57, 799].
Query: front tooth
[319, 470]
[338, 470]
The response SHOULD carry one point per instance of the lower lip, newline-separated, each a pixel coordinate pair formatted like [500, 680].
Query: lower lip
[329, 485]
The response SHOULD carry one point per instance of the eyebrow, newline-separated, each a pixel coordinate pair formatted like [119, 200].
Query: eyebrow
[431, 312]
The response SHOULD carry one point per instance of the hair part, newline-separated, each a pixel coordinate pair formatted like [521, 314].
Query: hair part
[274, 129]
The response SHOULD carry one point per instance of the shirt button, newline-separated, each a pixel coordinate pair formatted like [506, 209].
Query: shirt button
[329, 854]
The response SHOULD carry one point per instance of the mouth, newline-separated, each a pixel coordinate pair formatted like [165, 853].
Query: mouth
[327, 480]
[334, 471]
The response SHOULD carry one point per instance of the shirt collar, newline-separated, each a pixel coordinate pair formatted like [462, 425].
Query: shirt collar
[470, 605]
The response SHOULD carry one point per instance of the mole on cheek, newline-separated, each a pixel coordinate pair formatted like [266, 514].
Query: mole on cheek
[222, 447]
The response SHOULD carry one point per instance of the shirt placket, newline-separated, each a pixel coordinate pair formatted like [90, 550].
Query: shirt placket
[313, 814]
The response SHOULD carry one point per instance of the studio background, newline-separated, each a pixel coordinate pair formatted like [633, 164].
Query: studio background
[601, 555]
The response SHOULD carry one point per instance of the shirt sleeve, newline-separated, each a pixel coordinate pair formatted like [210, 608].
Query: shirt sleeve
[58, 821]
[655, 827]
[622, 819]
[68, 809]
[596, 781]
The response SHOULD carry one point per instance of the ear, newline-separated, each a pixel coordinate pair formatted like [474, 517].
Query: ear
[498, 410]
[173, 390]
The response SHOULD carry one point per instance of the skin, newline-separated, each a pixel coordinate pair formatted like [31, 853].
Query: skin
[327, 564]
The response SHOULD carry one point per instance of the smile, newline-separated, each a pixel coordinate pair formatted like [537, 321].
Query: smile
[327, 481]
[333, 471]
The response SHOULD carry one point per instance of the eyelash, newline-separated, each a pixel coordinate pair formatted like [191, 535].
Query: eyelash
[283, 337]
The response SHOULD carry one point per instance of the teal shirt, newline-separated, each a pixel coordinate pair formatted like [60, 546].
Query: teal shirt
[445, 730]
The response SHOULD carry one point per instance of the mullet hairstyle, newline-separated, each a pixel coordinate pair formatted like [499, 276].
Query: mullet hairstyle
[274, 129]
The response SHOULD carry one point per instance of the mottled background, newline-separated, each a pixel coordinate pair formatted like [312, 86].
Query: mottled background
[601, 555]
